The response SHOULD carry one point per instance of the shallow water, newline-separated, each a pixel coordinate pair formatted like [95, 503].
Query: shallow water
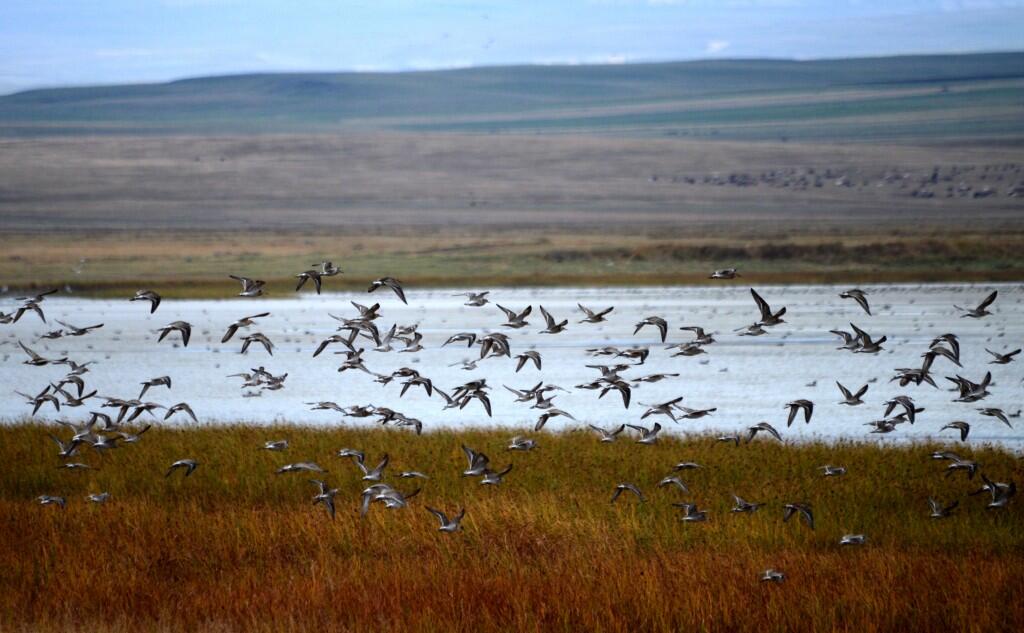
[749, 379]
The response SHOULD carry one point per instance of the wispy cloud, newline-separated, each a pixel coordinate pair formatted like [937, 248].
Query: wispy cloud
[438, 64]
[716, 46]
[978, 5]
[123, 53]
[607, 58]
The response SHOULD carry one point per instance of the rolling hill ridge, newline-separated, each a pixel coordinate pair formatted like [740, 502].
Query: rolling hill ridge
[911, 98]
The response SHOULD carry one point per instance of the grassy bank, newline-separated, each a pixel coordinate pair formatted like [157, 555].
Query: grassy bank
[235, 546]
[197, 265]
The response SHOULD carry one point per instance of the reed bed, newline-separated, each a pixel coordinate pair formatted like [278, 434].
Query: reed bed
[236, 547]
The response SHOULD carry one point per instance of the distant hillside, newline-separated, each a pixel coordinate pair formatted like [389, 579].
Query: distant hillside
[897, 98]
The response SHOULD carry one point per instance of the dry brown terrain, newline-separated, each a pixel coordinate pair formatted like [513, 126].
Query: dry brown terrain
[448, 209]
[389, 181]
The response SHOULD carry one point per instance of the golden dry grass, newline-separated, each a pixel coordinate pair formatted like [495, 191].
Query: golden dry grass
[235, 547]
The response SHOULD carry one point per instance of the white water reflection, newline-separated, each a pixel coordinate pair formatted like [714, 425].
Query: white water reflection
[748, 379]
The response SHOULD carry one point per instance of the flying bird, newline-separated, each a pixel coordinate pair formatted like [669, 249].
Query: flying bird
[150, 296]
[594, 316]
[389, 282]
[768, 318]
[982, 309]
[859, 296]
[628, 487]
[802, 509]
[244, 322]
[448, 525]
[189, 465]
[182, 327]
[250, 287]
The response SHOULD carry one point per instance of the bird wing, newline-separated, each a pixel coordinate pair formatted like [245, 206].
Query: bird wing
[547, 317]
[844, 335]
[861, 334]
[988, 300]
[321, 347]
[30, 352]
[397, 287]
[437, 513]
[471, 455]
[863, 302]
[762, 305]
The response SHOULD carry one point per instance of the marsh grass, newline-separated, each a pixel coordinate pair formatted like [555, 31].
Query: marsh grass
[182, 265]
[236, 547]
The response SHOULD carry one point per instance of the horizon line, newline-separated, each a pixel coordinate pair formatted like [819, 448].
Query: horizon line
[534, 64]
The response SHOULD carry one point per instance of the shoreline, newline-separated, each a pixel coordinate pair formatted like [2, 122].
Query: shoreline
[1013, 447]
[214, 289]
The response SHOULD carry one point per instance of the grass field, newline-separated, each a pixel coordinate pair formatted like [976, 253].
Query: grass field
[236, 547]
[906, 99]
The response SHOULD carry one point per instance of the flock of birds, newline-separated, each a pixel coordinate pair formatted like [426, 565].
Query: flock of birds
[103, 431]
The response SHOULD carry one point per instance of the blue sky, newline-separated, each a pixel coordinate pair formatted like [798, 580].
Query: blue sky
[49, 42]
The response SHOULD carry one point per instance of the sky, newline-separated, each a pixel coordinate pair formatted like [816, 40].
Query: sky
[84, 42]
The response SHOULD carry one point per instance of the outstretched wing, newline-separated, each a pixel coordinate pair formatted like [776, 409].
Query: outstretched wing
[762, 305]
[988, 300]
[437, 513]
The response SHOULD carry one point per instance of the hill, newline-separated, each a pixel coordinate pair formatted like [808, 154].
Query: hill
[915, 98]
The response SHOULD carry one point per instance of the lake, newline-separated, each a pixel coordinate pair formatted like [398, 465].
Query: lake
[749, 379]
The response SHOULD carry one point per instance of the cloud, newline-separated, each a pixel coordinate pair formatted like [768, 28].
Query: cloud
[716, 46]
[952, 6]
[121, 53]
[188, 4]
[438, 64]
[718, 4]
[604, 59]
